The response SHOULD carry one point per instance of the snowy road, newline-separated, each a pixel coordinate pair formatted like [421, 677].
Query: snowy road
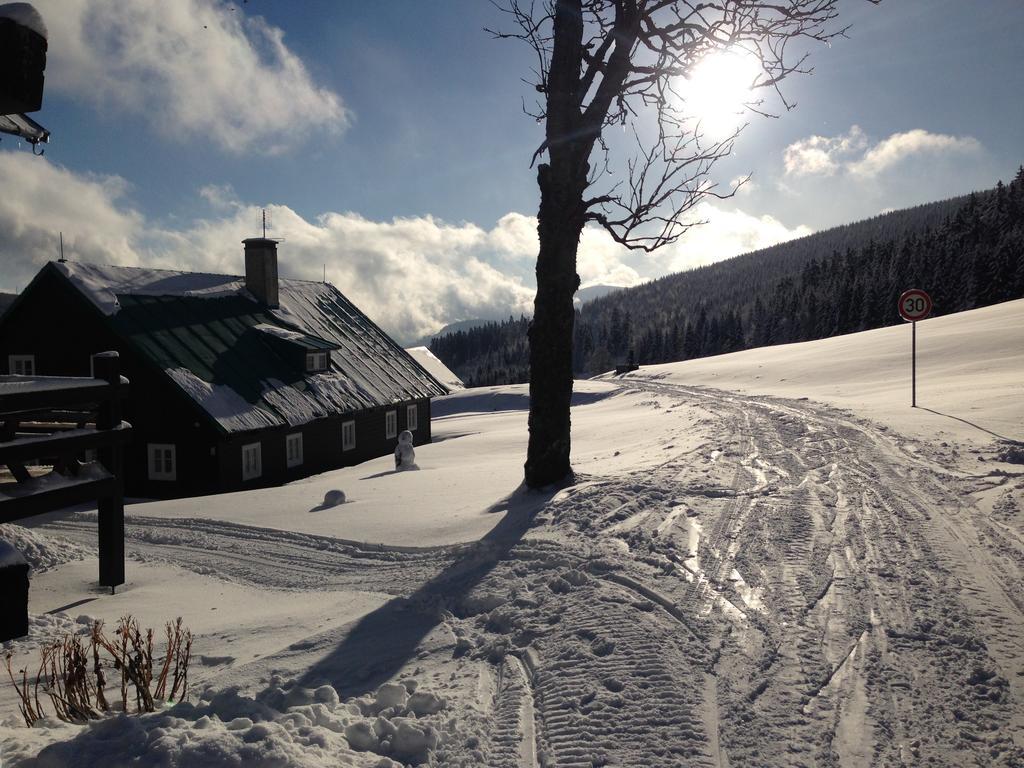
[794, 588]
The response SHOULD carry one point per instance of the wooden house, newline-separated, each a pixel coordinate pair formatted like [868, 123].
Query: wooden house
[236, 382]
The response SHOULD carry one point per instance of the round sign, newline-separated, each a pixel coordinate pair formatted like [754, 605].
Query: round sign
[915, 305]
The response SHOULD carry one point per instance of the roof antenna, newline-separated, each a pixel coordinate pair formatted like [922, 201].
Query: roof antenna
[62, 260]
[265, 224]
[325, 272]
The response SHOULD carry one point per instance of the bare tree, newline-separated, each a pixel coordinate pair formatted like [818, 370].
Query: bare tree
[610, 62]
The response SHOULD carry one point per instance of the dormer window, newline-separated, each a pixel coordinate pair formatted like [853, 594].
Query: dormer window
[317, 361]
[307, 353]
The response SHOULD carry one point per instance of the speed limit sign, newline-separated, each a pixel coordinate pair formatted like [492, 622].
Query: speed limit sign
[915, 305]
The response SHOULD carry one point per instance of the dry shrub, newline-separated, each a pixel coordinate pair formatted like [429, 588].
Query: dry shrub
[78, 694]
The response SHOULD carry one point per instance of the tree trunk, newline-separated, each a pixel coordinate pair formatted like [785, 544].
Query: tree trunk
[559, 224]
[551, 331]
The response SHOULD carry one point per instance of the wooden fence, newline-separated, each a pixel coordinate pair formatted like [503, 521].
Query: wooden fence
[54, 421]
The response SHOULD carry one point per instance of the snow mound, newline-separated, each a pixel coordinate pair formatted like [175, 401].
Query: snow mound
[285, 725]
[25, 15]
[333, 498]
[41, 551]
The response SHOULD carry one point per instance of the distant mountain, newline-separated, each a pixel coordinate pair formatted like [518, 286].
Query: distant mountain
[458, 325]
[967, 252]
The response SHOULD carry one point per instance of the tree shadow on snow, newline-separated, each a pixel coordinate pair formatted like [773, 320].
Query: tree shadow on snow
[383, 641]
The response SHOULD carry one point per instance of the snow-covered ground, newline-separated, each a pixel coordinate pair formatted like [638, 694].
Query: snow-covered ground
[766, 559]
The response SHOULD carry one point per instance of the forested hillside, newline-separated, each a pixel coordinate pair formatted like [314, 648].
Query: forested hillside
[967, 252]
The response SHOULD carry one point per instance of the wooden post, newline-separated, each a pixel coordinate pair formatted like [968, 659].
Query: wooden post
[111, 508]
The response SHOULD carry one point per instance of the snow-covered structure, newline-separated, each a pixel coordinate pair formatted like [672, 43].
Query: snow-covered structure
[22, 63]
[236, 381]
[433, 365]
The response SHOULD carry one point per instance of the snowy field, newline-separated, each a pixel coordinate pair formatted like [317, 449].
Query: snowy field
[766, 559]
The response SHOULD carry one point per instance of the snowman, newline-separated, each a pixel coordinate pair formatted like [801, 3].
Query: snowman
[405, 456]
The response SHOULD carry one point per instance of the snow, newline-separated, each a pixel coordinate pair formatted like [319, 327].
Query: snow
[25, 15]
[485, 447]
[11, 385]
[101, 283]
[230, 409]
[433, 365]
[53, 480]
[791, 569]
[9, 555]
[41, 552]
[869, 373]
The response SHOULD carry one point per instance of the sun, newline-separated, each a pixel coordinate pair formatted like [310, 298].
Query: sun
[718, 91]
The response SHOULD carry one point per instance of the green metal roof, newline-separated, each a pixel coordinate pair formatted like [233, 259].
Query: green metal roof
[224, 348]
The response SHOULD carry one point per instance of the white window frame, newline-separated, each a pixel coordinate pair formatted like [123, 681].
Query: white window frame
[348, 435]
[391, 424]
[318, 361]
[412, 417]
[252, 469]
[158, 454]
[16, 362]
[293, 449]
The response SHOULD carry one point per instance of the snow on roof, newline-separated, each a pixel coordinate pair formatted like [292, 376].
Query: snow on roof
[293, 336]
[26, 15]
[10, 556]
[213, 338]
[436, 368]
[102, 283]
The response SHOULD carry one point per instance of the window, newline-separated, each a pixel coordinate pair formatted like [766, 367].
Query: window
[163, 463]
[252, 461]
[390, 423]
[411, 413]
[293, 448]
[21, 365]
[348, 435]
[318, 361]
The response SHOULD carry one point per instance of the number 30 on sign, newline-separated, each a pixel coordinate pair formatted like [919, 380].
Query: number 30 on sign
[915, 305]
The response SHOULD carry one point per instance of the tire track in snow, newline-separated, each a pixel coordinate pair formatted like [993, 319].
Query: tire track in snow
[267, 557]
[866, 641]
[941, 641]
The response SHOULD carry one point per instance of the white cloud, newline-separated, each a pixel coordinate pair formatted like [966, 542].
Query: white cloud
[852, 152]
[193, 69]
[599, 260]
[899, 146]
[411, 275]
[726, 234]
[821, 154]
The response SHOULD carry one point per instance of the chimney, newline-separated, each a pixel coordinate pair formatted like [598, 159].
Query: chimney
[261, 269]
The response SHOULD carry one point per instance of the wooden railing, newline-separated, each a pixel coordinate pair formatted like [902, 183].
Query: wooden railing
[53, 421]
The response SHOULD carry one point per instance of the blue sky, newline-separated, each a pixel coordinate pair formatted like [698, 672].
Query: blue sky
[389, 144]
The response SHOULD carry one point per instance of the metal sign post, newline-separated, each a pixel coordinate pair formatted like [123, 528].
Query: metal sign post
[914, 305]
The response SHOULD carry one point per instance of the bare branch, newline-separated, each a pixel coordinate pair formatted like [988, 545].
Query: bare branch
[631, 55]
